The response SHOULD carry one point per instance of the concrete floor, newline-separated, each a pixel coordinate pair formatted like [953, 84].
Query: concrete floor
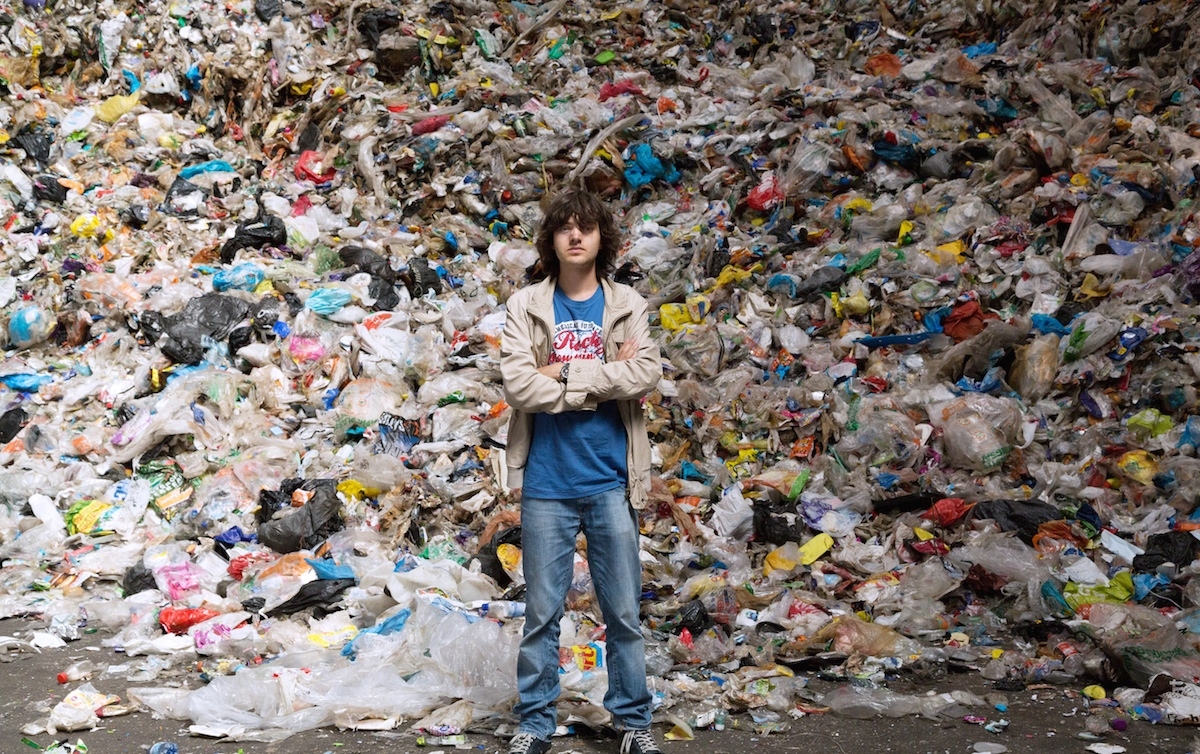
[1041, 721]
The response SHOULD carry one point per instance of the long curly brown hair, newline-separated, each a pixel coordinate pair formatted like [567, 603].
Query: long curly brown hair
[589, 212]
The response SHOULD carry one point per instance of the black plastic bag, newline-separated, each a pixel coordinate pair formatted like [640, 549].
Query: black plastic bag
[213, 315]
[138, 578]
[1178, 547]
[1022, 516]
[269, 231]
[267, 313]
[694, 617]
[384, 293]
[136, 215]
[310, 138]
[267, 9]
[271, 501]
[367, 261]
[772, 525]
[420, 278]
[181, 196]
[489, 562]
[383, 277]
[48, 189]
[372, 24]
[1040, 631]
[11, 423]
[918, 501]
[822, 279]
[321, 595]
[307, 526]
[240, 338]
[35, 143]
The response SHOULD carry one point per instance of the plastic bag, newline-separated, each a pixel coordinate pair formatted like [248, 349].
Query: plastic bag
[243, 277]
[328, 301]
[29, 326]
[305, 528]
[213, 316]
[253, 705]
[266, 231]
[865, 703]
[1089, 334]
[733, 516]
[79, 709]
[969, 439]
[179, 620]
[1035, 367]
[850, 635]
[1002, 555]
[363, 401]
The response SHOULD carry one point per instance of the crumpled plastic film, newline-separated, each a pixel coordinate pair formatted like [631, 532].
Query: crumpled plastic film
[924, 279]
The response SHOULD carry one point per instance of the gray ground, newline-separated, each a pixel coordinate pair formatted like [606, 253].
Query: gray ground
[1040, 720]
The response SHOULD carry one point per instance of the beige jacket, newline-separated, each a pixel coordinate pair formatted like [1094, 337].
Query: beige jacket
[525, 346]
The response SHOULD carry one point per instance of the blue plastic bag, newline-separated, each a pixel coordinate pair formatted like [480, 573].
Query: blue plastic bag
[242, 277]
[327, 300]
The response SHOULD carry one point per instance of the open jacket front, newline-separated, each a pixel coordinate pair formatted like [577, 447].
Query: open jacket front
[525, 346]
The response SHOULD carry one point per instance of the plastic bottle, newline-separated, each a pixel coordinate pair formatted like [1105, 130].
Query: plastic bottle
[164, 747]
[77, 672]
[504, 609]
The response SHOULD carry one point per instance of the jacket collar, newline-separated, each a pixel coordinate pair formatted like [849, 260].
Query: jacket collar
[541, 303]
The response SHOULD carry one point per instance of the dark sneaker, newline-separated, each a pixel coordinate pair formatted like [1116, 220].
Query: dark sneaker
[527, 743]
[639, 742]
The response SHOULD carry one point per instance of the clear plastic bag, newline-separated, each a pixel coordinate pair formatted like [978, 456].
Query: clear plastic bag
[978, 430]
[1035, 367]
[255, 704]
[865, 703]
[1001, 554]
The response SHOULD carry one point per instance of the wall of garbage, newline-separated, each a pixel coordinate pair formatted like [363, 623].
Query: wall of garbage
[924, 277]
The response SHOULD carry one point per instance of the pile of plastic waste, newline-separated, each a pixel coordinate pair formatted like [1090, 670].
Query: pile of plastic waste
[924, 277]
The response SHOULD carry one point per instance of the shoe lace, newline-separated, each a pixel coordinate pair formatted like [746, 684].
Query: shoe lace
[644, 740]
[522, 742]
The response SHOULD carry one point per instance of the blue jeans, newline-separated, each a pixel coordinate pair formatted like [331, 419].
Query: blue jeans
[548, 530]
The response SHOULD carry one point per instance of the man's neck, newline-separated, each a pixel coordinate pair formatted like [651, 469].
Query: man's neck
[578, 285]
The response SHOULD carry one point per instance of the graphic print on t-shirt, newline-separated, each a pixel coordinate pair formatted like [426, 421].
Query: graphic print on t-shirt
[577, 339]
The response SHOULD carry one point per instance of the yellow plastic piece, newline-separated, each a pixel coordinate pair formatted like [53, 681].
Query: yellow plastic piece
[856, 305]
[674, 317]
[333, 639]
[85, 226]
[111, 109]
[352, 490]
[1139, 466]
[815, 548]
[783, 558]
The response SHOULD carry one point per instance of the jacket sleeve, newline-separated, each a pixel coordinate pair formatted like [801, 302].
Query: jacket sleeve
[526, 389]
[621, 380]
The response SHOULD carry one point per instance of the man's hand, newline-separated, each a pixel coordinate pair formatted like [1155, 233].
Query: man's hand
[628, 350]
[551, 370]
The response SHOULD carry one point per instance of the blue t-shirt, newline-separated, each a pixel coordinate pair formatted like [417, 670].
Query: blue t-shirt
[577, 453]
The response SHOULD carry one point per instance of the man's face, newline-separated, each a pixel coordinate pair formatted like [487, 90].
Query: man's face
[576, 247]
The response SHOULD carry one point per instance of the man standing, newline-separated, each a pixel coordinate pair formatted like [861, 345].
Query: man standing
[576, 358]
